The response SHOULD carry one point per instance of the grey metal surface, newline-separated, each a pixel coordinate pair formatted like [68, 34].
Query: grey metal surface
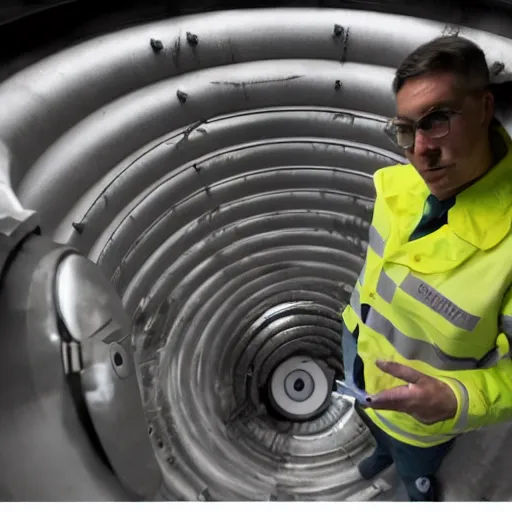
[221, 182]
[93, 314]
[45, 451]
[16, 222]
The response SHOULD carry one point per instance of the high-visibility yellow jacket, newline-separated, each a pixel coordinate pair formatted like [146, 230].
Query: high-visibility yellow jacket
[441, 304]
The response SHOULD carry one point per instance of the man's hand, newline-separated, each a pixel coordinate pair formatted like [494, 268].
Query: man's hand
[425, 398]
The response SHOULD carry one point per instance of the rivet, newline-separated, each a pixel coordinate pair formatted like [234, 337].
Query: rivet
[192, 39]
[182, 96]
[497, 68]
[338, 30]
[204, 495]
[157, 45]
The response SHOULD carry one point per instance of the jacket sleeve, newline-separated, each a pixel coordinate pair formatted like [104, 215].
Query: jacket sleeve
[485, 395]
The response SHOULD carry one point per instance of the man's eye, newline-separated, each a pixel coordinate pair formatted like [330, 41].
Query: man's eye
[433, 120]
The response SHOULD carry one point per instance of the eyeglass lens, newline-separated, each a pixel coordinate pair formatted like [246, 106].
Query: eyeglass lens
[435, 125]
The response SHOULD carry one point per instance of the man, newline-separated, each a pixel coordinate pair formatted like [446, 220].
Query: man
[426, 334]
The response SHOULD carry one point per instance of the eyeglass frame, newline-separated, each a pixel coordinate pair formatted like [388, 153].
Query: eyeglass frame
[415, 125]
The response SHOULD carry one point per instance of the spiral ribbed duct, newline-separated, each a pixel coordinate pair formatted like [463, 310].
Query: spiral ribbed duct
[217, 168]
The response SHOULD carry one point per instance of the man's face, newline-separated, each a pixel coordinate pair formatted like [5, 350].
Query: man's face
[450, 162]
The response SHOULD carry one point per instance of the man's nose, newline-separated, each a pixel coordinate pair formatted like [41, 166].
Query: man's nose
[423, 144]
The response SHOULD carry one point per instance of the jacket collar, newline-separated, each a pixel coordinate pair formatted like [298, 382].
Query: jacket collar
[480, 218]
[482, 214]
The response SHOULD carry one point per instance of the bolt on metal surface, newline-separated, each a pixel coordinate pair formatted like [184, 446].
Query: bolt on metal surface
[192, 39]
[157, 45]
[497, 68]
[182, 96]
[338, 30]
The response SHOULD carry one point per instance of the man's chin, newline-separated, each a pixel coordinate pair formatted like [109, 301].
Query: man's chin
[439, 191]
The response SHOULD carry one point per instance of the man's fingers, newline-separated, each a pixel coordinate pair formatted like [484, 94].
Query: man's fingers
[395, 399]
[400, 371]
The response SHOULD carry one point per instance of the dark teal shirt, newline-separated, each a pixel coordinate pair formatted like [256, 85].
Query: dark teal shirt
[435, 215]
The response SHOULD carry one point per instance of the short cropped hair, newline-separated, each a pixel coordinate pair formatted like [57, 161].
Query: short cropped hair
[453, 54]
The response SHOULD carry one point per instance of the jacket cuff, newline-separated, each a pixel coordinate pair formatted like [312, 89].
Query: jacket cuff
[460, 422]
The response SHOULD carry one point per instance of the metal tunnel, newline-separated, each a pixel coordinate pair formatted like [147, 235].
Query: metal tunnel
[184, 205]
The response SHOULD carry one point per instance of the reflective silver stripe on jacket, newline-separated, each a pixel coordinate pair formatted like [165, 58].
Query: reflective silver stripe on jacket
[437, 302]
[361, 274]
[376, 242]
[421, 291]
[386, 287]
[505, 323]
[463, 420]
[413, 437]
[431, 298]
[416, 349]
[355, 302]
[422, 350]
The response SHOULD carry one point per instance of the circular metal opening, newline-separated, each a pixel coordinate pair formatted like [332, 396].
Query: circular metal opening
[299, 389]
[118, 359]
[299, 385]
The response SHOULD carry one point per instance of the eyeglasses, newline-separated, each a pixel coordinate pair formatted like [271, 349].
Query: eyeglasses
[435, 125]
